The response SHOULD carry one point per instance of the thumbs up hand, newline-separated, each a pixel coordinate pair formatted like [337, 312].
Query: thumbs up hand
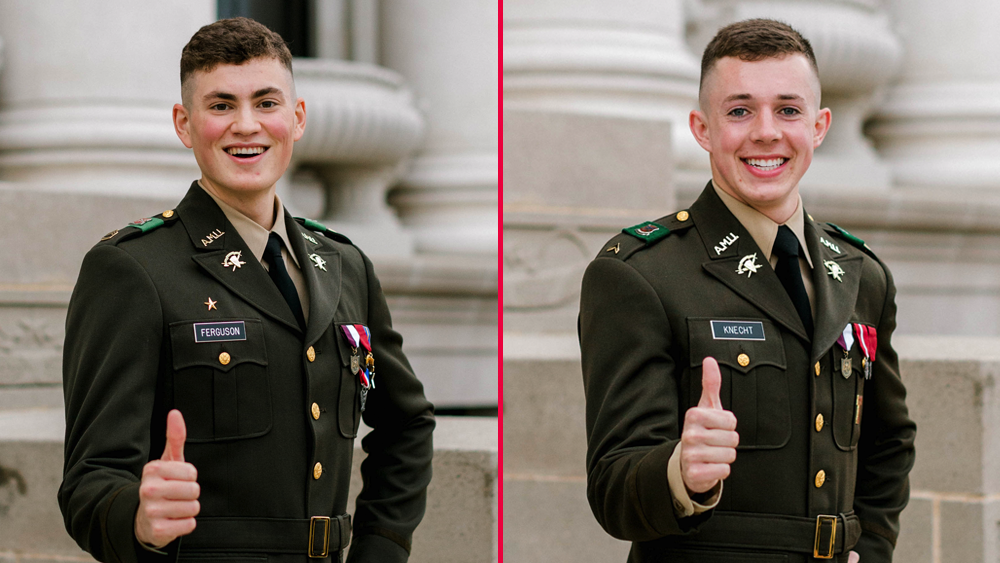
[709, 438]
[168, 492]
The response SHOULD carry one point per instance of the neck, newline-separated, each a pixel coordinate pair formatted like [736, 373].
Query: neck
[257, 206]
[778, 211]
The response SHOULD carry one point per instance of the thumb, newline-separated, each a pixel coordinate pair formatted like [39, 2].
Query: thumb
[711, 383]
[176, 435]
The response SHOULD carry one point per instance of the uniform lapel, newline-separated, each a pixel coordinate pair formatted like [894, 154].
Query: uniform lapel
[206, 223]
[835, 300]
[324, 285]
[762, 288]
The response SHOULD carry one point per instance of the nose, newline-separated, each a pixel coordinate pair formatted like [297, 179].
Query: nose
[245, 122]
[765, 128]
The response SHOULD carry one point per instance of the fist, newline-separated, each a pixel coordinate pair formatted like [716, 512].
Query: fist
[168, 492]
[709, 439]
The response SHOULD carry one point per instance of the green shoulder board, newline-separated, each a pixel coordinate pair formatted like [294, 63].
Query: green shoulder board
[648, 232]
[140, 227]
[844, 234]
[318, 227]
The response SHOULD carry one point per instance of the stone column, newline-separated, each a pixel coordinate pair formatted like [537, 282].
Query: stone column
[448, 50]
[857, 54]
[940, 124]
[63, 129]
[616, 59]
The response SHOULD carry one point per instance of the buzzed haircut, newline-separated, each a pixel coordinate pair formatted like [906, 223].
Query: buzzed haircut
[231, 41]
[755, 40]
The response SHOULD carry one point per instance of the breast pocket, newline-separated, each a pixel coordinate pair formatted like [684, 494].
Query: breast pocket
[848, 381]
[751, 358]
[349, 406]
[220, 380]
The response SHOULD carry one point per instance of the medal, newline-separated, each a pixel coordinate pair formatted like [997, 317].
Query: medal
[868, 341]
[846, 365]
[846, 341]
[360, 337]
[355, 361]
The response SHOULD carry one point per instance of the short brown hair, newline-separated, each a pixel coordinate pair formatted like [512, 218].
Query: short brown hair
[232, 41]
[755, 40]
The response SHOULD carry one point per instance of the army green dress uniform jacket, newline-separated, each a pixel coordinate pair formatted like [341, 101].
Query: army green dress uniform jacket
[823, 459]
[271, 419]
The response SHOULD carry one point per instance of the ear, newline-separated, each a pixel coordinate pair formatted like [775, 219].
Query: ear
[699, 128]
[823, 120]
[300, 118]
[181, 124]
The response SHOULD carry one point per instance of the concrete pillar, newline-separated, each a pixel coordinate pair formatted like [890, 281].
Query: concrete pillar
[857, 53]
[939, 126]
[448, 50]
[63, 129]
[620, 59]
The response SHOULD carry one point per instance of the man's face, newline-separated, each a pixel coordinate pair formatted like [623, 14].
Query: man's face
[760, 122]
[241, 121]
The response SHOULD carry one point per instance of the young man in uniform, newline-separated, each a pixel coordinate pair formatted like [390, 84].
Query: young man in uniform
[220, 355]
[740, 340]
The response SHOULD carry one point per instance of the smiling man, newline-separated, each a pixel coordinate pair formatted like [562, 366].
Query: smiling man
[220, 356]
[743, 396]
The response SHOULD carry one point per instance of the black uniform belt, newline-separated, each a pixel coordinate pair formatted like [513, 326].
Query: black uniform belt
[316, 537]
[822, 537]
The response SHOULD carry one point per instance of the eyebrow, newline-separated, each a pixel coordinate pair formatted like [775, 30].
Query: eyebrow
[736, 97]
[232, 97]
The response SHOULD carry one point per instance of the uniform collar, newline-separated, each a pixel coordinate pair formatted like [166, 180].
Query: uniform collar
[253, 233]
[761, 228]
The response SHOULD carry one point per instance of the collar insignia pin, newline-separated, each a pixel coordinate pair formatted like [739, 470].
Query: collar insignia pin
[748, 265]
[309, 238]
[233, 259]
[835, 271]
[318, 261]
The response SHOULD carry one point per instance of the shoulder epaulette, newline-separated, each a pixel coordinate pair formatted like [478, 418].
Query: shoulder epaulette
[322, 229]
[649, 233]
[844, 234]
[140, 227]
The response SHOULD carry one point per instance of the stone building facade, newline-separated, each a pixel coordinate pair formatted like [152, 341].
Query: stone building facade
[596, 103]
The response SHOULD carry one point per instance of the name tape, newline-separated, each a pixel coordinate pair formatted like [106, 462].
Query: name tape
[737, 330]
[220, 332]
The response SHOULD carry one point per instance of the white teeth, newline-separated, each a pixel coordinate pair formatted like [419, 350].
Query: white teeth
[769, 164]
[245, 150]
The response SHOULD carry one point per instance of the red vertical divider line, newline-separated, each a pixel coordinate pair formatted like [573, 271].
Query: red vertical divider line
[500, 288]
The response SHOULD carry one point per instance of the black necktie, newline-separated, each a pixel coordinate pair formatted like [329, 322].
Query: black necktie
[279, 275]
[786, 247]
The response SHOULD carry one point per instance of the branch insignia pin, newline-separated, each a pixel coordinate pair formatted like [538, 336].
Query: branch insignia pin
[748, 265]
[318, 261]
[835, 271]
[233, 259]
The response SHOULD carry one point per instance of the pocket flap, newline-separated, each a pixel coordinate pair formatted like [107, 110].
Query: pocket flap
[222, 345]
[739, 343]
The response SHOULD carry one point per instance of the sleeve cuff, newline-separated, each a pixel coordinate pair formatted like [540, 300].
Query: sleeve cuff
[684, 506]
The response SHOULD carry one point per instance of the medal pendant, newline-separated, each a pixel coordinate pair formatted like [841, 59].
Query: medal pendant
[355, 364]
[846, 364]
[364, 397]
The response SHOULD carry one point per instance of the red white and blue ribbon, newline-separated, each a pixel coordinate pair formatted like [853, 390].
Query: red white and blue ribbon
[846, 339]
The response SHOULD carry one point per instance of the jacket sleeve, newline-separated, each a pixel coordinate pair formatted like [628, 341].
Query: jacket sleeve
[885, 449]
[110, 359]
[633, 415]
[399, 447]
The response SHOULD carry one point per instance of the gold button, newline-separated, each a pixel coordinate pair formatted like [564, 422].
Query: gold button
[317, 470]
[311, 354]
[817, 369]
[683, 216]
[864, 361]
[820, 478]
[168, 213]
[819, 422]
[224, 358]
[743, 360]
[315, 411]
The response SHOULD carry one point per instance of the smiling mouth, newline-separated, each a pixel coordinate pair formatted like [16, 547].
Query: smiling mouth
[246, 152]
[765, 164]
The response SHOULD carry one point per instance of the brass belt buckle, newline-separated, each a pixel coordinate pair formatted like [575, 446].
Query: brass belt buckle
[820, 521]
[326, 536]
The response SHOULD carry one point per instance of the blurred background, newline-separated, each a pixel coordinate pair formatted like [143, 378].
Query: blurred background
[596, 97]
[400, 154]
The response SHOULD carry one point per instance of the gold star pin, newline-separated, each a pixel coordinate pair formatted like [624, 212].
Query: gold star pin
[211, 304]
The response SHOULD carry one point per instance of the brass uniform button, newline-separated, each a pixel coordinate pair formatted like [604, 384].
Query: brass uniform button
[817, 369]
[311, 354]
[743, 360]
[819, 422]
[224, 358]
[820, 478]
[168, 213]
[317, 470]
[683, 216]
[315, 411]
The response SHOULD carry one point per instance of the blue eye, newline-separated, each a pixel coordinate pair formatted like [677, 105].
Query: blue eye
[738, 112]
[790, 111]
